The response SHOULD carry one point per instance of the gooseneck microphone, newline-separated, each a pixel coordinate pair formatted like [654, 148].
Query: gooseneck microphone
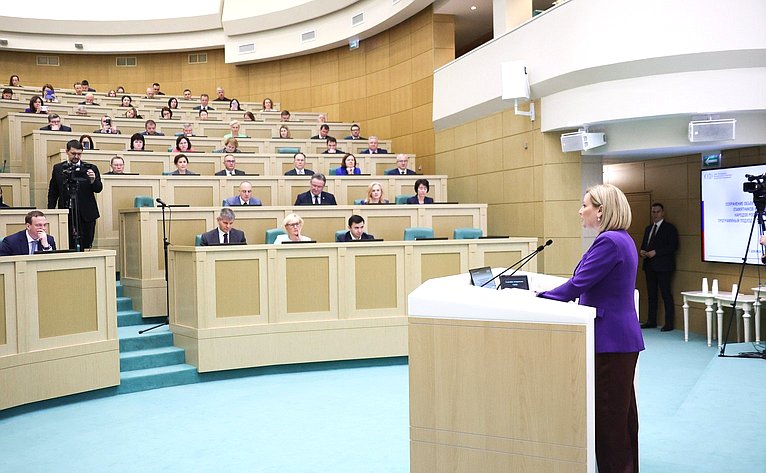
[521, 262]
[162, 204]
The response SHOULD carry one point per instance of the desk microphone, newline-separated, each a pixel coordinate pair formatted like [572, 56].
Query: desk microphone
[162, 204]
[4, 162]
[521, 262]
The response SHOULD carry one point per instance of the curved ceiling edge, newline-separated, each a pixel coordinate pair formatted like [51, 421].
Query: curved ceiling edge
[239, 16]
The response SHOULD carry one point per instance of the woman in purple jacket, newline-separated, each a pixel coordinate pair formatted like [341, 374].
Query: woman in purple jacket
[605, 279]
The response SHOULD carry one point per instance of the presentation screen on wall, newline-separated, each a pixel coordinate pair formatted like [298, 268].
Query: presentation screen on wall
[727, 215]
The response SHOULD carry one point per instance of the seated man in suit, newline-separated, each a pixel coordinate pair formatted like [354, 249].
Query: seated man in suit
[355, 130]
[299, 166]
[54, 124]
[150, 129]
[402, 161]
[332, 147]
[230, 167]
[316, 196]
[204, 100]
[324, 133]
[26, 242]
[245, 196]
[116, 165]
[225, 234]
[355, 230]
[372, 146]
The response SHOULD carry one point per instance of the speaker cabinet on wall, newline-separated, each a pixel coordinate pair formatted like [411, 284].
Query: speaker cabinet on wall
[712, 130]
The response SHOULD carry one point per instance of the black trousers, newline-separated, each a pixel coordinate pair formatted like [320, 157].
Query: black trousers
[661, 280]
[87, 233]
[616, 413]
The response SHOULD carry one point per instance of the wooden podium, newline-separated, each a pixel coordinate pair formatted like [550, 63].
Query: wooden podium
[499, 380]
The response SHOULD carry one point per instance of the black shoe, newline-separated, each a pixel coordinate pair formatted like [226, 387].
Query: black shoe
[648, 325]
[666, 328]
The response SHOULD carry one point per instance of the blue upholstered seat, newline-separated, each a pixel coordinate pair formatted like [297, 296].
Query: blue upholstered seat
[467, 233]
[413, 233]
[272, 234]
[143, 201]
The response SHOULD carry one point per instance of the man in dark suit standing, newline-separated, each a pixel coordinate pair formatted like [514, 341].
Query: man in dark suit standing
[402, 161]
[658, 248]
[245, 196]
[225, 234]
[77, 182]
[355, 230]
[299, 166]
[230, 167]
[27, 242]
[54, 124]
[316, 196]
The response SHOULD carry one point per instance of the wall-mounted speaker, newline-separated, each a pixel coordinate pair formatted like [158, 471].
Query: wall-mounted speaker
[581, 141]
[712, 130]
[515, 80]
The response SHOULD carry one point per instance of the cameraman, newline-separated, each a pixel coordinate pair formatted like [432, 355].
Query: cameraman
[83, 180]
[107, 127]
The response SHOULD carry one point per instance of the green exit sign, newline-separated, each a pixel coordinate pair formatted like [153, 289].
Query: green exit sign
[712, 159]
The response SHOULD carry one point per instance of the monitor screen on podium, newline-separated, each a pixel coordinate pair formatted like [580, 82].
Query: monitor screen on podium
[480, 276]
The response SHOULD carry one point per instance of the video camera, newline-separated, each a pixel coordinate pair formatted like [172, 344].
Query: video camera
[78, 170]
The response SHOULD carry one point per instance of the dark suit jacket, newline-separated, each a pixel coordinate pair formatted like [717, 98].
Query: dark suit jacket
[395, 172]
[665, 243]
[347, 237]
[317, 137]
[58, 197]
[63, 128]
[349, 137]
[380, 151]
[16, 244]
[337, 151]
[156, 133]
[307, 199]
[199, 107]
[293, 172]
[211, 238]
[237, 172]
[414, 200]
[235, 201]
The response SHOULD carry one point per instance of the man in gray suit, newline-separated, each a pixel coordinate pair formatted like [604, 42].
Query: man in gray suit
[225, 234]
[245, 196]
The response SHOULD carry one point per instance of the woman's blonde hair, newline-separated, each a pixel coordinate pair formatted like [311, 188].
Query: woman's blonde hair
[291, 218]
[369, 191]
[286, 128]
[615, 210]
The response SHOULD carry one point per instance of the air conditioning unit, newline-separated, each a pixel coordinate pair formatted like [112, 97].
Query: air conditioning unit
[712, 130]
[581, 141]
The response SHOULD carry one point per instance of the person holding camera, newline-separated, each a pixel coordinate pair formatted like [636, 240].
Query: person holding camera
[107, 126]
[73, 186]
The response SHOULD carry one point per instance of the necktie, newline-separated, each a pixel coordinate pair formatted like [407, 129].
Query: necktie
[651, 235]
[32, 247]
[401, 172]
[244, 202]
[316, 200]
[225, 238]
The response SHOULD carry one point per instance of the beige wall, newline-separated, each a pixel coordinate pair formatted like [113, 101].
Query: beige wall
[530, 186]
[386, 85]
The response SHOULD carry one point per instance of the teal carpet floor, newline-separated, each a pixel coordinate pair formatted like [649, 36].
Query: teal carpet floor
[699, 413]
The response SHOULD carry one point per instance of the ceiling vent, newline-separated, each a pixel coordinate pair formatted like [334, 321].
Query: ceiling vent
[308, 36]
[247, 48]
[357, 20]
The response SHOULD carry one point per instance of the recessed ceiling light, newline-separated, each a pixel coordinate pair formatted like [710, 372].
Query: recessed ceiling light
[473, 7]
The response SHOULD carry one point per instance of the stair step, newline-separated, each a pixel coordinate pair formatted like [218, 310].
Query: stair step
[124, 303]
[151, 358]
[120, 289]
[131, 340]
[154, 378]
[129, 317]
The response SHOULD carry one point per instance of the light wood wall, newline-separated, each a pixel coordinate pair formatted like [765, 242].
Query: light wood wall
[386, 85]
[530, 186]
[675, 182]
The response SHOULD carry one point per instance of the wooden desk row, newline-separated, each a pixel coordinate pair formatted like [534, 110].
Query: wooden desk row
[244, 306]
[207, 164]
[140, 233]
[38, 146]
[58, 326]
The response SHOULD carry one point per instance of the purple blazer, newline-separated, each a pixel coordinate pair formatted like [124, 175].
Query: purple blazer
[605, 279]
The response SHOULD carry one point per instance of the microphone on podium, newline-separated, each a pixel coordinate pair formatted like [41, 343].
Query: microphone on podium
[520, 263]
[162, 204]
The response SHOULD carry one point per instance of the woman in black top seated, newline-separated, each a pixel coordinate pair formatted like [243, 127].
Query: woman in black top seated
[182, 162]
[137, 142]
[421, 188]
